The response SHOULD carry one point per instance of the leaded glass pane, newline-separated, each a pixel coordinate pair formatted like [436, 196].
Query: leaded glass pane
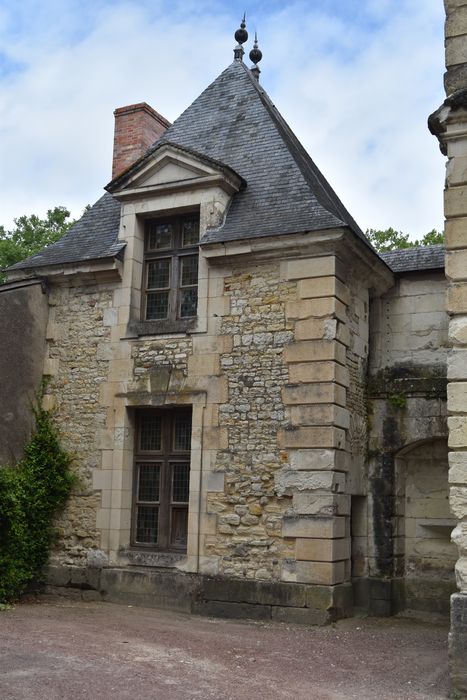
[179, 527]
[148, 486]
[160, 236]
[180, 482]
[151, 433]
[188, 302]
[182, 433]
[190, 232]
[146, 524]
[157, 305]
[159, 273]
[188, 270]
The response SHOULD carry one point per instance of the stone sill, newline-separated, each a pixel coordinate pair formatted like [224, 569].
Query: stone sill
[165, 560]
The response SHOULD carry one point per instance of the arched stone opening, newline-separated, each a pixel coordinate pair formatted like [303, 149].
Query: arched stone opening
[424, 554]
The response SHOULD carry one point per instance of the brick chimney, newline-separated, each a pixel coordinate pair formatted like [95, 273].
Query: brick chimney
[136, 129]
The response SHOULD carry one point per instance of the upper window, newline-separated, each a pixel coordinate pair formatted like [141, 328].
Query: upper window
[170, 284]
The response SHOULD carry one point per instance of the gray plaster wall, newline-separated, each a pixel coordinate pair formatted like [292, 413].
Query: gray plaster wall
[23, 314]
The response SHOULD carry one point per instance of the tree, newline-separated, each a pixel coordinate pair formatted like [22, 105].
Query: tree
[390, 239]
[30, 235]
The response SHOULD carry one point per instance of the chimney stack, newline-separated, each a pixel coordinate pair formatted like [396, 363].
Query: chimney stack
[136, 128]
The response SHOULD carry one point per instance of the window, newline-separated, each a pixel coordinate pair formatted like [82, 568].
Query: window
[170, 285]
[162, 475]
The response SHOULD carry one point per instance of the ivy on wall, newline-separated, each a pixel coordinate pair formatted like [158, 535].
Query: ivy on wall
[31, 492]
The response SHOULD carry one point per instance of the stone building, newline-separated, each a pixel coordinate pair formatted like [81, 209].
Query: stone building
[256, 399]
[449, 123]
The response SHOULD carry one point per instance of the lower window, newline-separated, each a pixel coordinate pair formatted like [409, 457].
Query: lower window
[162, 478]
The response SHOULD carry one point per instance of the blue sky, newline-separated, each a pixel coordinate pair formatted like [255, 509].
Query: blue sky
[355, 79]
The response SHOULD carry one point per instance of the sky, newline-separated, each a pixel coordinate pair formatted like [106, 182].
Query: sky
[355, 79]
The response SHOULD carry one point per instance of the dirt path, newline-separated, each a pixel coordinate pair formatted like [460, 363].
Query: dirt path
[58, 650]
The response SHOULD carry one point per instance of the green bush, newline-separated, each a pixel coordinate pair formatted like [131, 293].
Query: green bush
[31, 492]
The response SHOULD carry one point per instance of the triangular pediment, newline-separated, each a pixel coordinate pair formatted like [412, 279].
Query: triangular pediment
[173, 167]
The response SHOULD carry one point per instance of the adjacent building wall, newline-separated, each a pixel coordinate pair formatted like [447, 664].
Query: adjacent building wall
[24, 312]
[407, 409]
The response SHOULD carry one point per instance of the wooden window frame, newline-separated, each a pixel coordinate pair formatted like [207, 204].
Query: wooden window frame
[175, 255]
[165, 458]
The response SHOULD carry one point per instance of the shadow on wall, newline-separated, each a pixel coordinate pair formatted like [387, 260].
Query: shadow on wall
[24, 314]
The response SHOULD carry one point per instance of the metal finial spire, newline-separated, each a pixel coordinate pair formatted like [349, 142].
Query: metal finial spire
[241, 35]
[255, 58]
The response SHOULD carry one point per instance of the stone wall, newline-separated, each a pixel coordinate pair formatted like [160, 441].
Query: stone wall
[77, 363]
[249, 512]
[24, 311]
[410, 324]
[407, 405]
[424, 527]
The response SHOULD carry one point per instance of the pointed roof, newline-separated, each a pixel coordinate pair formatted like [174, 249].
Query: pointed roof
[235, 124]
[234, 121]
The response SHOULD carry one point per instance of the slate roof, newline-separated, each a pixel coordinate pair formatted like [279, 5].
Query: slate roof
[93, 237]
[234, 122]
[415, 259]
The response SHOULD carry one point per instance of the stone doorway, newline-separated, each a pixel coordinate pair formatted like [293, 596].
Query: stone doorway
[424, 554]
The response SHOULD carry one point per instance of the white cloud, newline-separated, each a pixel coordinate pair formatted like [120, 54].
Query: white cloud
[357, 89]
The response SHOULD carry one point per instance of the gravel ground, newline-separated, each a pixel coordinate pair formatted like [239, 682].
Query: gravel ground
[56, 650]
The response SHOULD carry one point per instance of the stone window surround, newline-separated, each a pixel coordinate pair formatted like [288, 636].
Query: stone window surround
[134, 215]
[172, 323]
[163, 458]
[121, 499]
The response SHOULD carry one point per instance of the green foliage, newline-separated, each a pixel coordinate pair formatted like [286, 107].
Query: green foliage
[31, 235]
[390, 239]
[398, 400]
[31, 492]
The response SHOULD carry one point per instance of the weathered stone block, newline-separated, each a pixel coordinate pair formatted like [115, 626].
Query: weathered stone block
[311, 459]
[324, 573]
[215, 481]
[456, 297]
[316, 329]
[457, 396]
[458, 330]
[326, 371]
[458, 501]
[321, 414]
[232, 611]
[456, 23]
[456, 170]
[309, 308]
[457, 431]
[51, 366]
[308, 503]
[322, 550]
[312, 267]
[289, 480]
[457, 364]
[455, 201]
[455, 233]
[458, 467]
[300, 616]
[205, 364]
[323, 287]
[458, 642]
[311, 350]
[313, 394]
[312, 437]
[300, 526]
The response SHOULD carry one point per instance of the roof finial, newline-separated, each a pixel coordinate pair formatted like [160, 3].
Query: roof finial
[241, 35]
[255, 57]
